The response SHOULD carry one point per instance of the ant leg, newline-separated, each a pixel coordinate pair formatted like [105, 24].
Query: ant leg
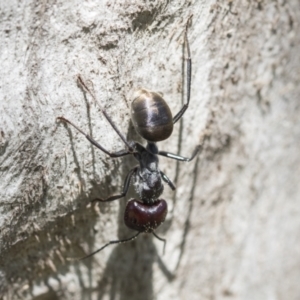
[92, 141]
[188, 75]
[125, 188]
[110, 243]
[161, 239]
[108, 118]
[179, 157]
[168, 181]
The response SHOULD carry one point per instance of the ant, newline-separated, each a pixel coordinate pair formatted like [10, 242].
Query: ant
[152, 119]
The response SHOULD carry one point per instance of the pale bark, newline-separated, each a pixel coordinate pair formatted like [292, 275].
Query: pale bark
[233, 225]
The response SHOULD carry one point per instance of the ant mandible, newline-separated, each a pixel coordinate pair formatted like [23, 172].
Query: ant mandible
[152, 119]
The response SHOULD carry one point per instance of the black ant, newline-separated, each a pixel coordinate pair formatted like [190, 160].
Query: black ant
[152, 119]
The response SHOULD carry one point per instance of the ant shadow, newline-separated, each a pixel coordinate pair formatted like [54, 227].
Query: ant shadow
[129, 271]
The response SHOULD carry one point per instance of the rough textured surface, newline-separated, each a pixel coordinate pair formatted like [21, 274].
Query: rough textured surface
[234, 221]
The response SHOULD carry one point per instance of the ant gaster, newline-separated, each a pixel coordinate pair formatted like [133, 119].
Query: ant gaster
[152, 119]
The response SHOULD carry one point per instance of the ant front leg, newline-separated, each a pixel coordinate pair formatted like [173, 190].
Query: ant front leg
[179, 157]
[125, 188]
[168, 180]
[92, 141]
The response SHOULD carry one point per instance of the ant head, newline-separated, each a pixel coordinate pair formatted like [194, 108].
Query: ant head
[143, 217]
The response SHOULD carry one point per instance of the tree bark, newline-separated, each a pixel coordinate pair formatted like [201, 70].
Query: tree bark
[234, 220]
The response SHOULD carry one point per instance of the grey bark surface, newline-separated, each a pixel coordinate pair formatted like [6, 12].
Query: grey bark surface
[234, 220]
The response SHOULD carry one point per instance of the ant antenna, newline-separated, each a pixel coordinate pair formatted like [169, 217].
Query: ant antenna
[110, 243]
[161, 239]
[119, 242]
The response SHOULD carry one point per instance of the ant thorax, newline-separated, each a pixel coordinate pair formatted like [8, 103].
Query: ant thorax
[148, 184]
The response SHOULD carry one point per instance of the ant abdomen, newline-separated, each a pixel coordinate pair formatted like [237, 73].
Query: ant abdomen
[143, 217]
[151, 116]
